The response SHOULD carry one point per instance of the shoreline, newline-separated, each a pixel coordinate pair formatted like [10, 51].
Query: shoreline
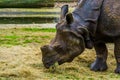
[45, 25]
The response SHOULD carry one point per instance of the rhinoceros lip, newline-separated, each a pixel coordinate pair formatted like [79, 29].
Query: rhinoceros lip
[51, 63]
[48, 66]
[60, 62]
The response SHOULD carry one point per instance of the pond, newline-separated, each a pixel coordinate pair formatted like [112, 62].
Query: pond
[29, 15]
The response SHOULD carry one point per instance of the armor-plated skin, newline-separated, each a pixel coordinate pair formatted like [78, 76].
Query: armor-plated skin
[92, 24]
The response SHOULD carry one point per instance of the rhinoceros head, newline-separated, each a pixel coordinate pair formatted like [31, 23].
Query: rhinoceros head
[68, 43]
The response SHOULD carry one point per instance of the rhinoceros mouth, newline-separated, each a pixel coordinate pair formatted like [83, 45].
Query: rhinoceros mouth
[55, 61]
[50, 64]
[62, 61]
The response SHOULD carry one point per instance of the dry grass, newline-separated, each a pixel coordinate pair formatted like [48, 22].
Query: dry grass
[23, 61]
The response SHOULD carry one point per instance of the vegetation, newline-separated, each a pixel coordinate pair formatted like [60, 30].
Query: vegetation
[24, 35]
[21, 58]
[26, 3]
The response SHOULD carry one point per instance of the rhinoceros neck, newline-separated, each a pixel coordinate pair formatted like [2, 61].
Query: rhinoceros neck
[88, 14]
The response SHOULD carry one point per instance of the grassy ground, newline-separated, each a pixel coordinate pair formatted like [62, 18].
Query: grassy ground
[20, 58]
[24, 35]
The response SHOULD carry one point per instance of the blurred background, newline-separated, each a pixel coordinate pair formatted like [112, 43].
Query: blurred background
[43, 13]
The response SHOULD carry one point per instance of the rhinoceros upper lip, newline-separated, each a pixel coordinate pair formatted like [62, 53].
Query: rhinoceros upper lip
[47, 66]
[61, 62]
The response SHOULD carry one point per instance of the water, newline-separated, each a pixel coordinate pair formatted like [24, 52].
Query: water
[27, 20]
[28, 16]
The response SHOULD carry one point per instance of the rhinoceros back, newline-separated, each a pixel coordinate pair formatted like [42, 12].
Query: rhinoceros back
[109, 20]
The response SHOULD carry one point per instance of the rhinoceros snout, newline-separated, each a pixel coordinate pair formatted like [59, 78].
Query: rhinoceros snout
[49, 56]
[46, 49]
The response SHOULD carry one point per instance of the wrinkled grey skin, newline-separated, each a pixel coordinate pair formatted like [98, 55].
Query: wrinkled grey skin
[92, 24]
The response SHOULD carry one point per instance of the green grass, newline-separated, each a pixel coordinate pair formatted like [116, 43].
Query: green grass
[39, 29]
[28, 35]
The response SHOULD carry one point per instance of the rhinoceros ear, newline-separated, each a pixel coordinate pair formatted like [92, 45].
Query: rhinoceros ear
[85, 33]
[64, 11]
[69, 18]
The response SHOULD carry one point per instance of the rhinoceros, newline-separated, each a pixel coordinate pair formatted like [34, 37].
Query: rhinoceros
[93, 23]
